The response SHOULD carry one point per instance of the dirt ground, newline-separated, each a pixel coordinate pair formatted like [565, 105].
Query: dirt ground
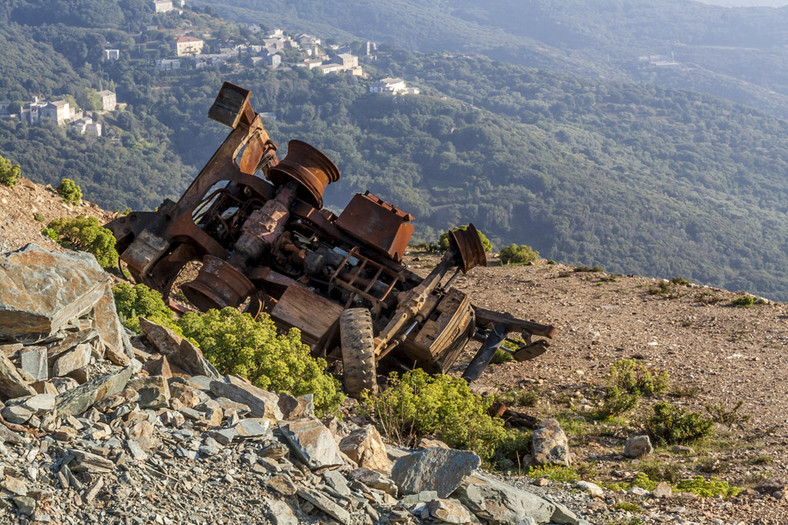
[715, 354]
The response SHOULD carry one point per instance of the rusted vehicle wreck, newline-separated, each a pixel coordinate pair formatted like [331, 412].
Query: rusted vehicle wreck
[265, 243]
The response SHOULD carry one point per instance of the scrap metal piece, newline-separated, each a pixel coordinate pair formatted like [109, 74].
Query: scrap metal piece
[376, 222]
[219, 284]
[469, 247]
[309, 167]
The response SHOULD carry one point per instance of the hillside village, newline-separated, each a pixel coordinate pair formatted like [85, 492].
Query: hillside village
[179, 48]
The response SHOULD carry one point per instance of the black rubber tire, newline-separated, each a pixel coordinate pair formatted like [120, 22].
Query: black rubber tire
[358, 351]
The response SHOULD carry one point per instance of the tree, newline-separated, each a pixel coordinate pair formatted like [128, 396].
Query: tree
[9, 173]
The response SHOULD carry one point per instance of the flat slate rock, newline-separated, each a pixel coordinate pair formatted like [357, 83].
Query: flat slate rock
[438, 469]
[41, 291]
[312, 442]
[495, 502]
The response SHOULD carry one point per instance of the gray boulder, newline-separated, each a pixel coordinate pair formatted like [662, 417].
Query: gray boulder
[495, 502]
[312, 442]
[438, 469]
[42, 291]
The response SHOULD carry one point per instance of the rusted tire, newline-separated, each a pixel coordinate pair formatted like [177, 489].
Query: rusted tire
[358, 351]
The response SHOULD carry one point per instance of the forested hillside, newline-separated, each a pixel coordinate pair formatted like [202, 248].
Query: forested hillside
[635, 178]
[734, 53]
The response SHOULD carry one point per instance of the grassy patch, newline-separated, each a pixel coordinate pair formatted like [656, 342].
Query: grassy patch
[558, 473]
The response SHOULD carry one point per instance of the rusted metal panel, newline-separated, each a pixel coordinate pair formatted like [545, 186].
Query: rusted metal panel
[312, 314]
[377, 223]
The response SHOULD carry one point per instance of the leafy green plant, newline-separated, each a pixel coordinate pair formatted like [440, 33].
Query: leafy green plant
[670, 424]
[443, 240]
[84, 234]
[133, 302]
[583, 269]
[512, 451]
[37, 216]
[710, 488]
[745, 301]
[235, 343]
[659, 471]
[707, 297]
[627, 506]
[558, 473]
[634, 377]
[9, 173]
[628, 381]
[665, 289]
[522, 398]
[518, 254]
[418, 404]
[680, 281]
[719, 413]
[69, 191]
[501, 356]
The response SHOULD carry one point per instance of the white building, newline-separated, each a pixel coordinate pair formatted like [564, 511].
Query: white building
[108, 100]
[393, 86]
[112, 54]
[162, 6]
[188, 46]
[58, 112]
[168, 64]
[86, 125]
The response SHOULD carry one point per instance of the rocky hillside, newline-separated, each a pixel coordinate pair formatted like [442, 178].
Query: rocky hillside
[99, 429]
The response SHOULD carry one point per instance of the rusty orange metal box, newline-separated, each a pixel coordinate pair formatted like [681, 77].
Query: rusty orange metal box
[378, 223]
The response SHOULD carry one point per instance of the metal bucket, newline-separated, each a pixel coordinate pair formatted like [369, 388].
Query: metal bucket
[307, 166]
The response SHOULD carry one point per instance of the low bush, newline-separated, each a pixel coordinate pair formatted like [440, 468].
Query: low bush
[235, 343]
[627, 382]
[708, 488]
[418, 404]
[133, 302]
[745, 301]
[9, 173]
[634, 377]
[84, 234]
[518, 254]
[443, 240]
[670, 425]
[69, 191]
[729, 417]
[558, 473]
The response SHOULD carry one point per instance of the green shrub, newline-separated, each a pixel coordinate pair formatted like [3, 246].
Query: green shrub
[708, 488]
[642, 480]
[744, 301]
[37, 216]
[501, 356]
[518, 254]
[418, 404]
[614, 402]
[84, 234]
[133, 302]
[729, 417]
[9, 173]
[680, 281]
[513, 450]
[707, 297]
[670, 424]
[558, 473]
[582, 269]
[665, 289]
[69, 191]
[627, 382]
[522, 398]
[443, 241]
[237, 344]
[636, 378]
